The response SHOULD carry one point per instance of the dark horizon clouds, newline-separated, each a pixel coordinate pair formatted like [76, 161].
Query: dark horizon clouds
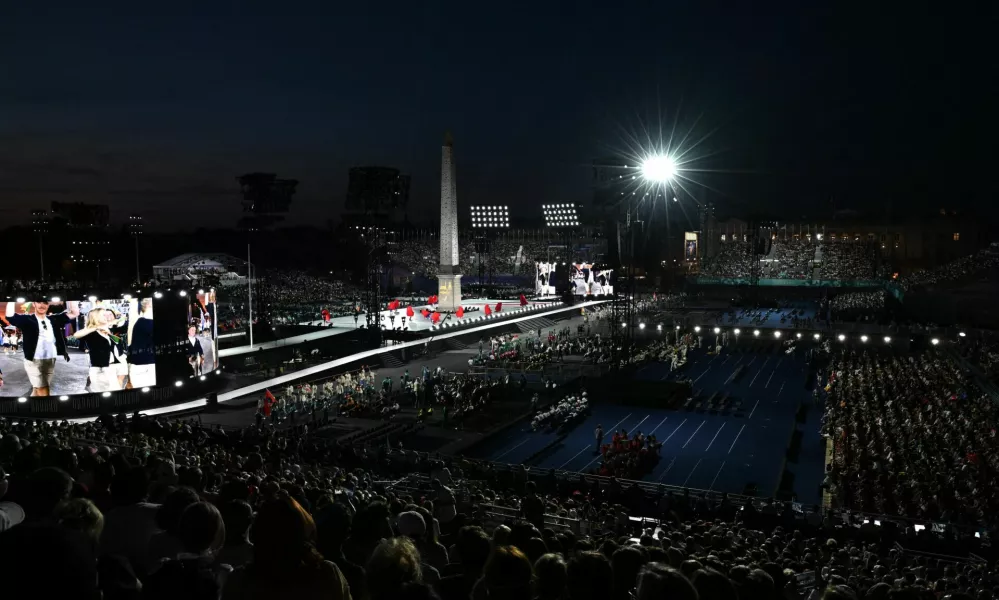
[875, 107]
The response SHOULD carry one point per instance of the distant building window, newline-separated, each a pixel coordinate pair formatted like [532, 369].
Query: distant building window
[957, 237]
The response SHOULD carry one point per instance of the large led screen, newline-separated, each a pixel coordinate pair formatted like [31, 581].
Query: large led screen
[53, 347]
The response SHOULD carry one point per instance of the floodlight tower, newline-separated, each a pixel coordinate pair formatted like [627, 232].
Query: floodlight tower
[486, 222]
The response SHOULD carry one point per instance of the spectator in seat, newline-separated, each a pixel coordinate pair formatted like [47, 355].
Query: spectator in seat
[166, 543]
[192, 573]
[550, 577]
[285, 561]
[590, 576]
[394, 564]
[508, 575]
[237, 515]
[129, 527]
[657, 581]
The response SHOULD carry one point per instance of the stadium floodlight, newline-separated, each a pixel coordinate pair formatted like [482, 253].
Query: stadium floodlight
[863, 338]
[697, 328]
[641, 325]
[678, 328]
[22, 400]
[660, 168]
[560, 215]
[841, 337]
[63, 398]
[798, 335]
[490, 217]
[962, 334]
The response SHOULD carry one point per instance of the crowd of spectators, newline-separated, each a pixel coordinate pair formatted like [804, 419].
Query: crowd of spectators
[564, 414]
[791, 259]
[857, 306]
[169, 509]
[849, 261]
[732, 260]
[629, 457]
[513, 255]
[912, 436]
[961, 268]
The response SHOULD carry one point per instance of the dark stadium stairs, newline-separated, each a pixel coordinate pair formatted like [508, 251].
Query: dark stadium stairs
[454, 344]
[535, 324]
[389, 361]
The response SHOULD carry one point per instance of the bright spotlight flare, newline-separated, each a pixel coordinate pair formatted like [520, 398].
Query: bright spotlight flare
[659, 168]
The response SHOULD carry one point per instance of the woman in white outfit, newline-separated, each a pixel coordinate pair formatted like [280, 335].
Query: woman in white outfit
[100, 343]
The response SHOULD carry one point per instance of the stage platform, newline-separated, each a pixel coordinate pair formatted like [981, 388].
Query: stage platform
[418, 324]
[318, 370]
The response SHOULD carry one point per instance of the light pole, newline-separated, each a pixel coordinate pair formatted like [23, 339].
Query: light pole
[249, 289]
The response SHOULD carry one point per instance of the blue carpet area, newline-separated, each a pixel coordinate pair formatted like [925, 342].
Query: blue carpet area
[722, 452]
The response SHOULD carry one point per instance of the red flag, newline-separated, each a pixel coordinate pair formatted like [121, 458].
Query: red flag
[461, 312]
[499, 306]
[393, 305]
[523, 300]
[269, 396]
[489, 311]
[436, 318]
[433, 299]
[425, 313]
[409, 312]
[326, 315]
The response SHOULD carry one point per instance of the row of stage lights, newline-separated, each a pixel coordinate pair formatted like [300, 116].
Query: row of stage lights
[145, 390]
[778, 334]
[513, 311]
[92, 298]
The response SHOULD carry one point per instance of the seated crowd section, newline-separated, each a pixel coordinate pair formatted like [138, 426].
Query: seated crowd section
[794, 258]
[154, 508]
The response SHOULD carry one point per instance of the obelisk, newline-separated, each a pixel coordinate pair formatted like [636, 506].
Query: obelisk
[448, 277]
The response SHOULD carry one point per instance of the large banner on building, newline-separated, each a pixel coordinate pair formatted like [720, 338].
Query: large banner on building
[689, 245]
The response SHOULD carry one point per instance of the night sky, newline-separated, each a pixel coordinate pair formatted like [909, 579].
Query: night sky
[801, 107]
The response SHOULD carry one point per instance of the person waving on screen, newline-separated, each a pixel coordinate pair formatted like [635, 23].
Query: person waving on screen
[44, 340]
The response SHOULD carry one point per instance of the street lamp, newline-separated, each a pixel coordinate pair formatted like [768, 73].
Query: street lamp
[659, 168]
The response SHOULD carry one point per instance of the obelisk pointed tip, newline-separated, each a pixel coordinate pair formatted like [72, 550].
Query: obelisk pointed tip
[448, 140]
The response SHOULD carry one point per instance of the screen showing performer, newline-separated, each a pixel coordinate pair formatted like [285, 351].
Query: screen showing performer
[690, 245]
[202, 335]
[54, 347]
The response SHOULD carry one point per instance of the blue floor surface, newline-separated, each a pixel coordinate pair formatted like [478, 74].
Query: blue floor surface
[721, 452]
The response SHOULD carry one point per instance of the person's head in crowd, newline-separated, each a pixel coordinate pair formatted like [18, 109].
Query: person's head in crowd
[394, 563]
[590, 576]
[201, 529]
[192, 477]
[237, 516]
[81, 515]
[372, 523]
[689, 567]
[333, 525]
[501, 535]
[550, 577]
[626, 561]
[49, 562]
[284, 538]
[412, 525]
[47, 487]
[473, 546]
[129, 486]
[168, 514]
[842, 592]
[507, 575]
[656, 581]
[535, 548]
[710, 583]
[752, 584]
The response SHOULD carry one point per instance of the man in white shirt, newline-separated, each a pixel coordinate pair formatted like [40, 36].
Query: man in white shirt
[44, 340]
